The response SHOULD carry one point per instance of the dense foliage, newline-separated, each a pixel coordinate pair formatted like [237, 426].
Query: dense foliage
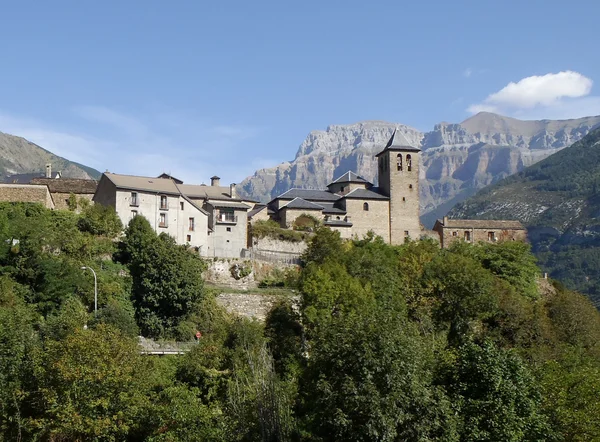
[557, 199]
[387, 343]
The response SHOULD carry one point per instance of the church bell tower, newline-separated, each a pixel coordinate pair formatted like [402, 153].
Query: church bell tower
[398, 170]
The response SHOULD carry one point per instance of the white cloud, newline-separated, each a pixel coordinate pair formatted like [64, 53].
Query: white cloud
[564, 94]
[190, 148]
[467, 72]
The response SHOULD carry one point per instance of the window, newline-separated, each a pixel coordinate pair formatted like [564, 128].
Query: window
[403, 198]
[226, 216]
[163, 202]
[229, 229]
[491, 236]
[133, 214]
[406, 233]
[162, 220]
[134, 199]
[467, 235]
[410, 186]
[189, 238]
[399, 161]
[408, 163]
[454, 233]
[342, 189]
[181, 205]
[366, 207]
[191, 224]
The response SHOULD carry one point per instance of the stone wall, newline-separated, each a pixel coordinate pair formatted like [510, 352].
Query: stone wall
[61, 200]
[474, 236]
[251, 305]
[220, 273]
[26, 193]
[375, 219]
[276, 245]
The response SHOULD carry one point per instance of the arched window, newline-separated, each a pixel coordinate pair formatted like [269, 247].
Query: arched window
[366, 207]
[408, 163]
[399, 161]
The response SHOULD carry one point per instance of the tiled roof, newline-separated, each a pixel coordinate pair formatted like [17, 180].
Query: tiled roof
[398, 142]
[366, 194]
[23, 178]
[257, 208]
[482, 224]
[151, 184]
[203, 191]
[232, 204]
[350, 177]
[328, 208]
[299, 203]
[68, 185]
[308, 194]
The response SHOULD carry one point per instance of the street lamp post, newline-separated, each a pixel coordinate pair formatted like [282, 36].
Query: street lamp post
[95, 289]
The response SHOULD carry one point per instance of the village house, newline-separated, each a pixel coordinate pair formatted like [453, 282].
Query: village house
[209, 218]
[26, 193]
[473, 231]
[353, 206]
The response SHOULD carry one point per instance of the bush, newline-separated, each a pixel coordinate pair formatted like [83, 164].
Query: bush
[270, 229]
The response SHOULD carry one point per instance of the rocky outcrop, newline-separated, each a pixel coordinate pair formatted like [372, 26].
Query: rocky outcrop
[21, 156]
[457, 159]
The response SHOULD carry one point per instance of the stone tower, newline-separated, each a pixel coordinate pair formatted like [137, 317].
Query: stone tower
[398, 170]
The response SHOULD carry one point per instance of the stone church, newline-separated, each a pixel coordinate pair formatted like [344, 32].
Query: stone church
[354, 206]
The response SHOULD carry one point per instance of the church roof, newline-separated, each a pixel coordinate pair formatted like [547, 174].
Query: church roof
[398, 142]
[366, 194]
[308, 194]
[350, 177]
[299, 203]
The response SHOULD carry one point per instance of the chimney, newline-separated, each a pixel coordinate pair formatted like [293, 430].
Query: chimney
[214, 181]
[48, 170]
[232, 192]
[445, 220]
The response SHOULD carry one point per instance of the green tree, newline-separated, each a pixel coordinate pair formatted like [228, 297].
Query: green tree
[100, 220]
[325, 244]
[93, 386]
[496, 396]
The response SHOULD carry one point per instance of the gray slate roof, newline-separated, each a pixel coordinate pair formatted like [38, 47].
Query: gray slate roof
[398, 142]
[329, 208]
[366, 194]
[299, 203]
[257, 208]
[350, 177]
[308, 194]
[482, 224]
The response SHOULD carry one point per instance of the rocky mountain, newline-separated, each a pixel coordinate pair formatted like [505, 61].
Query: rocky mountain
[17, 155]
[457, 159]
[558, 200]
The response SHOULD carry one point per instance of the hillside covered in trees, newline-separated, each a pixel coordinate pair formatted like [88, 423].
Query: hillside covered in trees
[557, 200]
[388, 343]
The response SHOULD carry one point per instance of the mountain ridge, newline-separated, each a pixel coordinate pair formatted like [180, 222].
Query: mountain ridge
[457, 159]
[557, 200]
[19, 155]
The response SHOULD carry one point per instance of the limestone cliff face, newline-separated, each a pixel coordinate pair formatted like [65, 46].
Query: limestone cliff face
[457, 159]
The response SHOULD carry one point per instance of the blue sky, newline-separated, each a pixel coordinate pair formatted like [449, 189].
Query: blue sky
[198, 88]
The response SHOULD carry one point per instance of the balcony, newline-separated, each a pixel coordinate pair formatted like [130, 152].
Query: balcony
[226, 218]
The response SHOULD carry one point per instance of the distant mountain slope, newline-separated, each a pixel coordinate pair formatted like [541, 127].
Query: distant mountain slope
[558, 200]
[17, 155]
[457, 159]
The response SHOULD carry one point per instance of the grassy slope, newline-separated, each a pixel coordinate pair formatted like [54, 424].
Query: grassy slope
[557, 199]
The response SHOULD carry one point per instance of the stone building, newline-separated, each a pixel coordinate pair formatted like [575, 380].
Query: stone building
[353, 206]
[61, 190]
[210, 218]
[26, 193]
[473, 231]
